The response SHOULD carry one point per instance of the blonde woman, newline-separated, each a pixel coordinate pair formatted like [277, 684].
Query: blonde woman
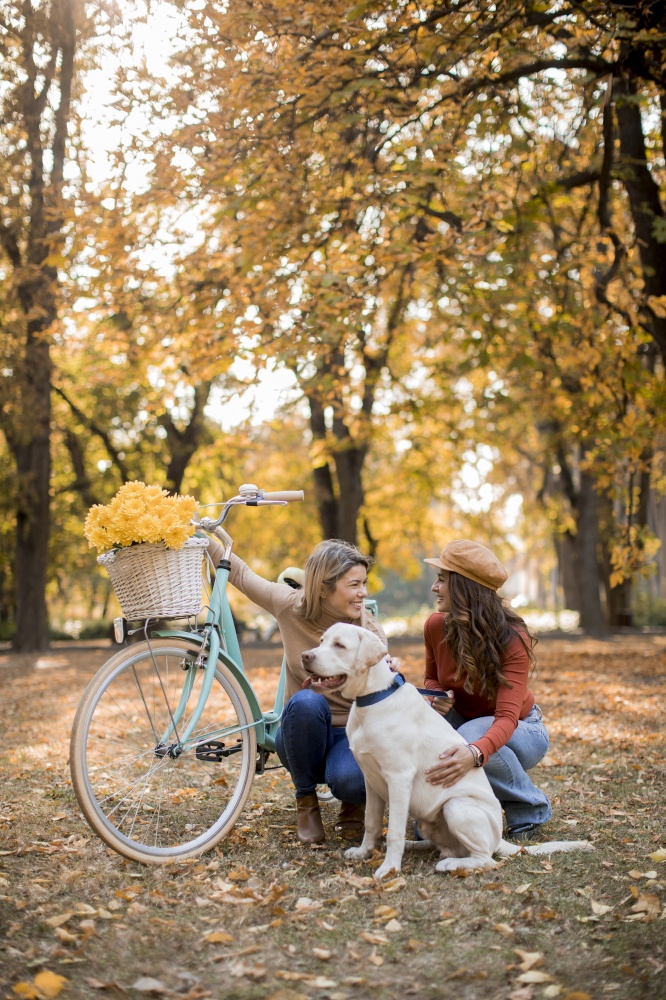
[312, 742]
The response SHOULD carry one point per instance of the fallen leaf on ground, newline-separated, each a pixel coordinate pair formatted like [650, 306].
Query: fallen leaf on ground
[218, 937]
[146, 984]
[521, 993]
[394, 884]
[528, 958]
[59, 919]
[534, 976]
[375, 959]
[304, 903]
[130, 892]
[26, 990]
[647, 903]
[373, 937]
[85, 909]
[393, 926]
[50, 984]
[322, 953]
[600, 908]
[65, 936]
[239, 969]
[99, 984]
[384, 912]
[659, 854]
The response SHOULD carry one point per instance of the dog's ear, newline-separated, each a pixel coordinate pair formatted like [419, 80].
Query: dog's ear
[371, 649]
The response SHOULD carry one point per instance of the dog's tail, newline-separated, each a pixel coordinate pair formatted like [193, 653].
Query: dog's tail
[419, 845]
[506, 850]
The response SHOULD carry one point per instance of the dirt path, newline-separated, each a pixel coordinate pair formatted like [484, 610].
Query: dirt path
[233, 923]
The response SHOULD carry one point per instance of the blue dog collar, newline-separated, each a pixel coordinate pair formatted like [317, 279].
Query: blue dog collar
[371, 699]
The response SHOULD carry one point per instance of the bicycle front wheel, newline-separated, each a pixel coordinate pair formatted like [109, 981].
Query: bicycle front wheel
[143, 802]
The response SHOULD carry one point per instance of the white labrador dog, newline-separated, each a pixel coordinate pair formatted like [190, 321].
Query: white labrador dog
[394, 740]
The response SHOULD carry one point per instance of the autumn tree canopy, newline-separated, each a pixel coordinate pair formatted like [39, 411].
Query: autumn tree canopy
[445, 221]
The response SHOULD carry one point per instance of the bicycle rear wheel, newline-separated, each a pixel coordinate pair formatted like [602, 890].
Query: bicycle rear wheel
[144, 803]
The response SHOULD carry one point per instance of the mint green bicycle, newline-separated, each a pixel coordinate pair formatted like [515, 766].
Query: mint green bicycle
[169, 733]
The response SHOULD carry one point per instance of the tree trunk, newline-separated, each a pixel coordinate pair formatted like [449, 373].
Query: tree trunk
[349, 466]
[324, 487]
[36, 284]
[184, 443]
[33, 469]
[565, 548]
[644, 200]
[592, 619]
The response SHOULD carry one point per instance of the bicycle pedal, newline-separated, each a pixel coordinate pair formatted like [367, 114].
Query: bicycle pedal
[213, 751]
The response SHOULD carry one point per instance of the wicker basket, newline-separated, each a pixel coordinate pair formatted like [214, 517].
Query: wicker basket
[152, 581]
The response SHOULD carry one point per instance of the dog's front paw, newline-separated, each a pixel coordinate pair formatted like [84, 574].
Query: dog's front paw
[357, 853]
[447, 865]
[467, 864]
[388, 868]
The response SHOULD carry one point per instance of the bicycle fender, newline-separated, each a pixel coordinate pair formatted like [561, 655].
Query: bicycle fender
[232, 666]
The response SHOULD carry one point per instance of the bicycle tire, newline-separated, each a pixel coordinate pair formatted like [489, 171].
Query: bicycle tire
[144, 804]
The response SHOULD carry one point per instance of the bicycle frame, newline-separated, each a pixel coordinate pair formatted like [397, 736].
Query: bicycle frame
[218, 641]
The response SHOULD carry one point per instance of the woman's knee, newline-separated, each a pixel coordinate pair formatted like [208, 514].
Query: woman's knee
[474, 729]
[306, 705]
[348, 786]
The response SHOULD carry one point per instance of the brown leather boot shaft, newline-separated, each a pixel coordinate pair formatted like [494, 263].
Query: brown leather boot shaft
[309, 827]
[350, 819]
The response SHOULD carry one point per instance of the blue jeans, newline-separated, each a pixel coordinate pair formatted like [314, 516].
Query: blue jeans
[316, 753]
[506, 769]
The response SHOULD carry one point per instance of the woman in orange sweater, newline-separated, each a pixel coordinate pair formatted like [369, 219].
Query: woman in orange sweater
[480, 652]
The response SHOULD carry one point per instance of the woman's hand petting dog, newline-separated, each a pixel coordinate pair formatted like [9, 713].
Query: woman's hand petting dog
[456, 762]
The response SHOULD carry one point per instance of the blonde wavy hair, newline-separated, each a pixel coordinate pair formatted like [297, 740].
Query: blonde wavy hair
[328, 561]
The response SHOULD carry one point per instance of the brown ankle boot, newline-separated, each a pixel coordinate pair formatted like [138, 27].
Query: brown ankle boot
[309, 827]
[350, 820]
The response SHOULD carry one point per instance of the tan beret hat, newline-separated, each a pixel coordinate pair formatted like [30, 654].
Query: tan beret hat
[472, 560]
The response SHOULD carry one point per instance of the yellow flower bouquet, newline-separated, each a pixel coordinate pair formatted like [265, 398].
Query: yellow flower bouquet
[148, 549]
[140, 513]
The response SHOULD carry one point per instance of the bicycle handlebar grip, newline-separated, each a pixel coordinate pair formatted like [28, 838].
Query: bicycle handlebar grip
[289, 495]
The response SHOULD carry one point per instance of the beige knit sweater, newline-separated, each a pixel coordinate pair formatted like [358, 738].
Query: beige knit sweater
[298, 634]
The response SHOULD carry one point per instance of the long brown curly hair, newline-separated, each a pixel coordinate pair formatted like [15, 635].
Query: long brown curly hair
[477, 630]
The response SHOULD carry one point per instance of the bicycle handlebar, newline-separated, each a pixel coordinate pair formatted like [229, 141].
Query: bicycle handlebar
[290, 496]
[250, 496]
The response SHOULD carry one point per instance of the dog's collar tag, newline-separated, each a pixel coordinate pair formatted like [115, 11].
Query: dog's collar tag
[371, 699]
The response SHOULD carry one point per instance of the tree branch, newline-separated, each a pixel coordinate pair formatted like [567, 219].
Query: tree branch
[97, 431]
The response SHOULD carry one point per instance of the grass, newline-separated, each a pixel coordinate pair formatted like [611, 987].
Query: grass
[287, 922]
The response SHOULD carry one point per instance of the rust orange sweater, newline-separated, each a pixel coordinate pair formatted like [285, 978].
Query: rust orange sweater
[509, 705]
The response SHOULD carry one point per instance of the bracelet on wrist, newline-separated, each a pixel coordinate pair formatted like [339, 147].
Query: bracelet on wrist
[477, 754]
